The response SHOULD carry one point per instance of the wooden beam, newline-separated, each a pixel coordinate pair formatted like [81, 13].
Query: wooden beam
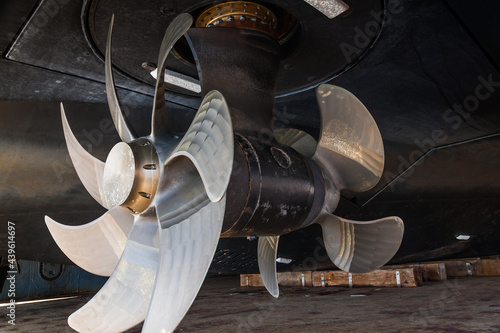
[487, 267]
[285, 279]
[430, 271]
[251, 280]
[459, 268]
[472, 267]
[295, 279]
[408, 277]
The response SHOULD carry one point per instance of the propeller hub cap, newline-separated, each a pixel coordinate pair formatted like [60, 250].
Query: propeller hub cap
[119, 174]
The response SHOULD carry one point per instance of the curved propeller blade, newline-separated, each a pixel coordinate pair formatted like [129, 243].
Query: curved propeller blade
[123, 301]
[209, 144]
[267, 249]
[302, 142]
[122, 125]
[190, 224]
[350, 148]
[175, 30]
[89, 169]
[186, 252]
[96, 246]
[360, 246]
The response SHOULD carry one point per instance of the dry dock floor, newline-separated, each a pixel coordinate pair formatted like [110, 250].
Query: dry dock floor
[457, 305]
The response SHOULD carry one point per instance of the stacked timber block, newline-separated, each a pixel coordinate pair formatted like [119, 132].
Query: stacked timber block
[430, 271]
[472, 267]
[407, 275]
[285, 279]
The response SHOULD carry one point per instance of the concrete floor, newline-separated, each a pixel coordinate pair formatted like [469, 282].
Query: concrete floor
[458, 305]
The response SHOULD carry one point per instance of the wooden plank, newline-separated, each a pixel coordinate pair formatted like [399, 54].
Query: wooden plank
[430, 271]
[295, 279]
[251, 280]
[458, 268]
[285, 279]
[434, 271]
[472, 267]
[487, 267]
[409, 277]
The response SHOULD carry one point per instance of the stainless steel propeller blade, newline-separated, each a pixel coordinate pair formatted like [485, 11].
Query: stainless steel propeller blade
[107, 236]
[186, 252]
[175, 30]
[122, 124]
[175, 233]
[361, 246]
[89, 169]
[196, 173]
[350, 148]
[175, 189]
[330, 8]
[209, 144]
[351, 153]
[267, 248]
[299, 140]
[123, 301]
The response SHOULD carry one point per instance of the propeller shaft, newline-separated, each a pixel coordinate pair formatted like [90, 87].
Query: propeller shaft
[243, 65]
[273, 189]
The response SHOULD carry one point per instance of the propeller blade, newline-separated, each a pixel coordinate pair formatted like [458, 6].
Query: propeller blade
[89, 169]
[122, 124]
[350, 148]
[267, 249]
[302, 142]
[186, 252]
[190, 223]
[209, 144]
[123, 301]
[175, 30]
[96, 246]
[360, 246]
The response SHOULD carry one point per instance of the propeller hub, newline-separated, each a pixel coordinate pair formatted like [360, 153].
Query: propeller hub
[119, 174]
[131, 175]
